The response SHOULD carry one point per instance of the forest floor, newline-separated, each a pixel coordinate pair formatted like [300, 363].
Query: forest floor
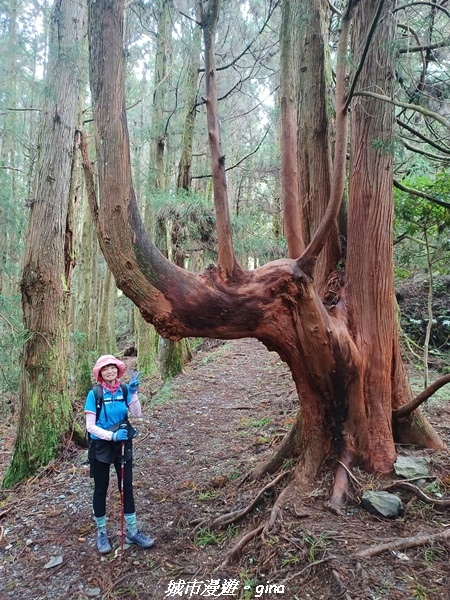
[199, 435]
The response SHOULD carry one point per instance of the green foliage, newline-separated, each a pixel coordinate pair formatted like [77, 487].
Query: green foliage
[234, 475]
[420, 592]
[190, 220]
[42, 426]
[316, 545]
[387, 146]
[420, 222]
[414, 319]
[254, 239]
[205, 537]
[231, 532]
[208, 495]
[433, 554]
[164, 395]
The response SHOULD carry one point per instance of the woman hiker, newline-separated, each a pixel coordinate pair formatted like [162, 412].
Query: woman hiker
[107, 404]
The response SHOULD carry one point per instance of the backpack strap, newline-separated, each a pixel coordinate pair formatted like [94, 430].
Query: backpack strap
[125, 392]
[98, 393]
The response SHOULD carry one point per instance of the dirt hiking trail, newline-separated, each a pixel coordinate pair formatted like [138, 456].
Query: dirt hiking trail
[199, 435]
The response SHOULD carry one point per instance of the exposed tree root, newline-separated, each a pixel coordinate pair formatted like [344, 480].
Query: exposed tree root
[418, 492]
[404, 544]
[340, 489]
[235, 552]
[237, 515]
[287, 449]
[342, 593]
[275, 513]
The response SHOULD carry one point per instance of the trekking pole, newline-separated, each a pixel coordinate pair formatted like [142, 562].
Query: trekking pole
[122, 517]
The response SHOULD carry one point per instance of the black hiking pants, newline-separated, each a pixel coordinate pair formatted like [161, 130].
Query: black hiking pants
[100, 473]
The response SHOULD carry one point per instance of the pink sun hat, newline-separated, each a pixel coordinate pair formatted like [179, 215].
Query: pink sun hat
[104, 361]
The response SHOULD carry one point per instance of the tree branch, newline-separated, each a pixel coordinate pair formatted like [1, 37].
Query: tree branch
[227, 259]
[421, 109]
[433, 5]
[240, 160]
[424, 47]
[429, 155]
[190, 18]
[422, 137]
[419, 493]
[247, 48]
[408, 408]
[422, 56]
[420, 194]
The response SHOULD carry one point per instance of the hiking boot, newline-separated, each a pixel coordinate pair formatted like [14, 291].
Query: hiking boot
[140, 539]
[103, 545]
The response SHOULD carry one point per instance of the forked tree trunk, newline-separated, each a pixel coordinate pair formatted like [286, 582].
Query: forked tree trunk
[315, 110]
[227, 260]
[45, 408]
[292, 214]
[371, 294]
[339, 356]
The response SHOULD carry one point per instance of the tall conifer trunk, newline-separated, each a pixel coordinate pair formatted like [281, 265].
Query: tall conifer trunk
[45, 408]
[185, 164]
[315, 110]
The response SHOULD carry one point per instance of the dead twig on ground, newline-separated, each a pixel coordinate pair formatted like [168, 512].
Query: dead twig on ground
[115, 583]
[404, 544]
[313, 564]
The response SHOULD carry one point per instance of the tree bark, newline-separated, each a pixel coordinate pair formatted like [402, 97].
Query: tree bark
[7, 152]
[45, 409]
[369, 272]
[292, 216]
[85, 282]
[316, 110]
[185, 164]
[106, 343]
[162, 62]
[227, 259]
